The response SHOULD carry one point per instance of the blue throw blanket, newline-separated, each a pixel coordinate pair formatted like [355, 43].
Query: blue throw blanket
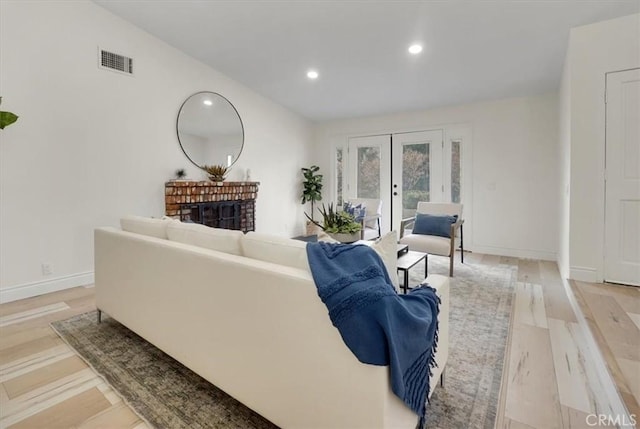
[379, 326]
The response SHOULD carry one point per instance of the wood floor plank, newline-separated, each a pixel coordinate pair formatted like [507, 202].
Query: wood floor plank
[41, 377]
[490, 260]
[25, 336]
[29, 348]
[575, 419]
[508, 260]
[45, 320]
[628, 297]
[622, 384]
[575, 388]
[622, 335]
[631, 403]
[529, 271]
[32, 313]
[532, 383]
[42, 398]
[116, 416]
[35, 362]
[631, 372]
[46, 299]
[635, 318]
[529, 305]
[513, 424]
[556, 302]
[67, 414]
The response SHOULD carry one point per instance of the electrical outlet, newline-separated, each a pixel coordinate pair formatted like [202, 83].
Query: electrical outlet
[47, 268]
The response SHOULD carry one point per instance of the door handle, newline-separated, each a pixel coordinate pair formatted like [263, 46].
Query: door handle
[395, 193]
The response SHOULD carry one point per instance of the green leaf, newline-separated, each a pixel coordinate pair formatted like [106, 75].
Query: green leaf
[7, 118]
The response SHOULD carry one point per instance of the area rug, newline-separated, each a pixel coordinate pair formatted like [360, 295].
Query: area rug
[479, 316]
[168, 395]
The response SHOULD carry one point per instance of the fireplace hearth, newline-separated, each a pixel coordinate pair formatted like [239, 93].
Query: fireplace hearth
[228, 205]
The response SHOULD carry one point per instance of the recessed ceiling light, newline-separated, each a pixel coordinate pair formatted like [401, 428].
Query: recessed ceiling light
[208, 102]
[312, 74]
[415, 49]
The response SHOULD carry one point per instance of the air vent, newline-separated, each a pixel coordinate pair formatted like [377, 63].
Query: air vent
[115, 62]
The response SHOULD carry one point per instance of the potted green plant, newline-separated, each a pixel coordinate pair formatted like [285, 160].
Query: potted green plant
[311, 192]
[311, 186]
[339, 225]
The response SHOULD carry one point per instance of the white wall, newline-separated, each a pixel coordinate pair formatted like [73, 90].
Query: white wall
[593, 51]
[92, 145]
[514, 170]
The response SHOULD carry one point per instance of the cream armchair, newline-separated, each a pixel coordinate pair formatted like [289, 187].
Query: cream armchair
[371, 220]
[434, 244]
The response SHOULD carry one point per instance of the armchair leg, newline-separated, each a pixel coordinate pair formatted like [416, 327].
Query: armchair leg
[451, 258]
[461, 244]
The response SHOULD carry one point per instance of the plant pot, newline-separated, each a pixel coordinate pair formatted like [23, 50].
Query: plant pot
[343, 237]
[312, 228]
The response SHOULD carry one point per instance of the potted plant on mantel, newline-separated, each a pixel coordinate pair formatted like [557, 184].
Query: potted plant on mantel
[216, 173]
[339, 225]
[311, 191]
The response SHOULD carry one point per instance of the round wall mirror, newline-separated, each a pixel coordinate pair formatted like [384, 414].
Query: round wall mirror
[210, 130]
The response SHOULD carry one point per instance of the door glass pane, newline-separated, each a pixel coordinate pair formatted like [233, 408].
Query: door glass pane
[455, 172]
[415, 177]
[339, 175]
[368, 172]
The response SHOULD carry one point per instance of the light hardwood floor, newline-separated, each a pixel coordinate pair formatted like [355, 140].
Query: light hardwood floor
[43, 384]
[548, 381]
[613, 315]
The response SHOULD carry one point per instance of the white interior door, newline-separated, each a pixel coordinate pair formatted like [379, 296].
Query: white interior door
[418, 172]
[622, 188]
[370, 172]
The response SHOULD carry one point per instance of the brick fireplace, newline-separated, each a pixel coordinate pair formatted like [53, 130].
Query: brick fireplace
[229, 205]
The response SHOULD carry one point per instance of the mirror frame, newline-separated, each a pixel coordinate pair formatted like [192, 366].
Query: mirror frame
[178, 122]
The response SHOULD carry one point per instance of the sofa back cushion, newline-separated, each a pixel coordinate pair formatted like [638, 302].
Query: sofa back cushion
[222, 240]
[278, 250]
[146, 225]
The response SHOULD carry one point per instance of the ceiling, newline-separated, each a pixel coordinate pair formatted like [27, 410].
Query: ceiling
[473, 50]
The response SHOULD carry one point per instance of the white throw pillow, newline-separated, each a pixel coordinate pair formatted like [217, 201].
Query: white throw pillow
[275, 249]
[222, 240]
[146, 225]
[387, 247]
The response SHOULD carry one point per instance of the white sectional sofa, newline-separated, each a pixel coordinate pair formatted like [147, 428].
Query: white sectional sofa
[253, 327]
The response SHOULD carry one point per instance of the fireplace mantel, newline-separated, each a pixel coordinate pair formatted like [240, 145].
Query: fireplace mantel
[229, 205]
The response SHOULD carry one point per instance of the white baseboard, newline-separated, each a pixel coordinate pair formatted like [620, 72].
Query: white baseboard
[28, 290]
[516, 253]
[583, 274]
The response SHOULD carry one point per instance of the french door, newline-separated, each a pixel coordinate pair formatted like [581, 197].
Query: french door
[402, 169]
[370, 172]
[622, 187]
[418, 171]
